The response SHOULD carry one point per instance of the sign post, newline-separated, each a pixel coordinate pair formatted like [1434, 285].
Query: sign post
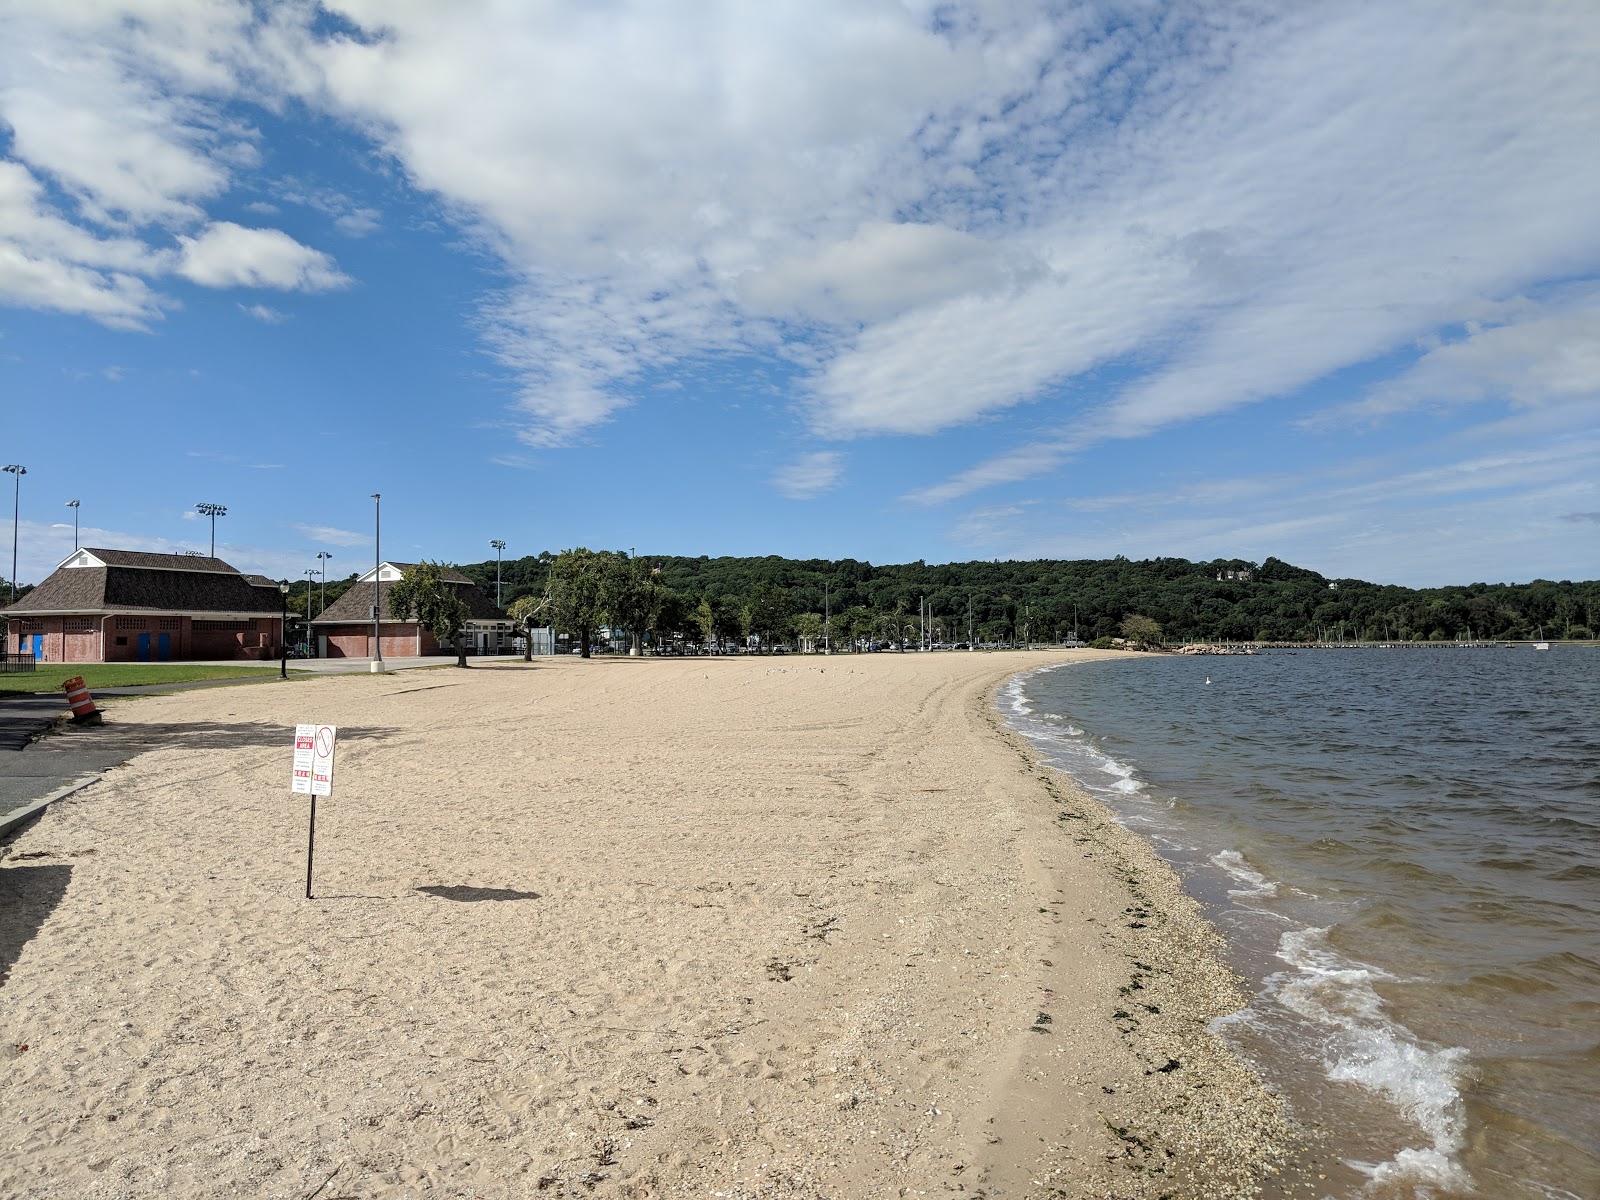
[313, 776]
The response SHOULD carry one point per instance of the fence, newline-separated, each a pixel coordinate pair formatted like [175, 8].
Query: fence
[17, 664]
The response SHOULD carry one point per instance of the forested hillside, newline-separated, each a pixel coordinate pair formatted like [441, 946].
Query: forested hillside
[1043, 599]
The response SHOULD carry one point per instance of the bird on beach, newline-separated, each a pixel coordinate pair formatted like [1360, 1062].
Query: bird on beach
[1208, 679]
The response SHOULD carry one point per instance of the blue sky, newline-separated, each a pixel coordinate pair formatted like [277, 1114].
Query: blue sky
[877, 280]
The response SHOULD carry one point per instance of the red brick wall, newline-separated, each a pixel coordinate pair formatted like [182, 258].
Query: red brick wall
[355, 641]
[184, 642]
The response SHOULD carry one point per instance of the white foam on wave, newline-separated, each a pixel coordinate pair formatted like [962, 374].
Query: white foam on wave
[1365, 1047]
[1252, 882]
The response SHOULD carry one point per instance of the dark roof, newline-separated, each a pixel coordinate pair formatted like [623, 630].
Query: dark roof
[261, 581]
[140, 589]
[355, 606]
[166, 562]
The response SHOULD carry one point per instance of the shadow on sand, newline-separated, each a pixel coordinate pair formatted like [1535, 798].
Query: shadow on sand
[28, 895]
[469, 895]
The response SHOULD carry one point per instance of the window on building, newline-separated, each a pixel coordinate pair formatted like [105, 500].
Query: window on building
[132, 623]
[79, 624]
[170, 623]
[221, 626]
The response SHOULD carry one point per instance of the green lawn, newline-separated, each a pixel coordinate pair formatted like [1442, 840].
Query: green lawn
[50, 676]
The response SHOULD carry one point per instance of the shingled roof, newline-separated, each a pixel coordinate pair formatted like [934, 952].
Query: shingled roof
[139, 588]
[355, 606]
[160, 562]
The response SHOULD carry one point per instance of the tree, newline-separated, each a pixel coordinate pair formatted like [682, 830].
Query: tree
[808, 627]
[627, 595]
[527, 611]
[767, 612]
[1140, 630]
[577, 591]
[424, 595]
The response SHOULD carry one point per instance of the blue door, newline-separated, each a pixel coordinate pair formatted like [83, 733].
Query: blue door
[144, 647]
[163, 647]
[38, 647]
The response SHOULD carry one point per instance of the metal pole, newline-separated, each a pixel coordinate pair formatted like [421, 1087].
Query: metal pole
[283, 632]
[311, 844]
[827, 616]
[16, 508]
[498, 547]
[377, 576]
[73, 505]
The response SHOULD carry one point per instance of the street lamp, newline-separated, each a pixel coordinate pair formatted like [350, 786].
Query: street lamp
[311, 573]
[322, 591]
[213, 511]
[498, 547]
[73, 505]
[377, 579]
[16, 507]
[283, 627]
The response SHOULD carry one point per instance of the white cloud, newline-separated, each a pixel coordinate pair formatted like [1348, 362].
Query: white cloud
[263, 313]
[229, 255]
[809, 475]
[329, 536]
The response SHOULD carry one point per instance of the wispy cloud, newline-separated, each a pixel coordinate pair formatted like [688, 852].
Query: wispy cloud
[264, 314]
[329, 536]
[809, 475]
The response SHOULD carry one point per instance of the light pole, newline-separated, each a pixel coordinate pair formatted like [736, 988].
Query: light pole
[498, 547]
[213, 511]
[16, 507]
[827, 620]
[377, 578]
[311, 573]
[73, 505]
[283, 631]
[322, 591]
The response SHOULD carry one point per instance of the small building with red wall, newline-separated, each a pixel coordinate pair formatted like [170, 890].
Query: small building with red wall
[134, 606]
[344, 629]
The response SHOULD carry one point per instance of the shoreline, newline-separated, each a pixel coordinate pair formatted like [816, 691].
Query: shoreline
[760, 927]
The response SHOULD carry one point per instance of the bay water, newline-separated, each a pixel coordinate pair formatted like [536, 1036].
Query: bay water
[1402, 848]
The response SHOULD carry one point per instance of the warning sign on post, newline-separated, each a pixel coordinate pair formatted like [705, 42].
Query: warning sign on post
[313, 759]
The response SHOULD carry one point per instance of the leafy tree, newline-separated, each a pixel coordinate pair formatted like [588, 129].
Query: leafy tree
[577, 594]
[424, 595]
[1141, 630]
[767, 612]
[528, 611]
[808, 626]
[627, 596]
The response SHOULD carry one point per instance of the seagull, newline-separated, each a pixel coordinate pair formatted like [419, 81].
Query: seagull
[1208, 679]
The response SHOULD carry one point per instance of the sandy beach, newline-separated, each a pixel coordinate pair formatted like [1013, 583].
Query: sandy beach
[752, 927]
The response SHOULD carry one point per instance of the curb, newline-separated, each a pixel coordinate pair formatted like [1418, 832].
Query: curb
[21, 816]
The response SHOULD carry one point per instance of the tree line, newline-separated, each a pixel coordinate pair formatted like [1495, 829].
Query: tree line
[775, 599]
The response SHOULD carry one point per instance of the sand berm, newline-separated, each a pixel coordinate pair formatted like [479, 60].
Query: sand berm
[750, 927]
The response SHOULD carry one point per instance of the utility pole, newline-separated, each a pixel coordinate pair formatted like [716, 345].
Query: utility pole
[827, 618]
[971, 645]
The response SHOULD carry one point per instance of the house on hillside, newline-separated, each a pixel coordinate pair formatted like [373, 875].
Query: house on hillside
[134, 606]
[344, 628]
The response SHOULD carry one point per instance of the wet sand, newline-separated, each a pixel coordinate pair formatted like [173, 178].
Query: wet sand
[633, 928]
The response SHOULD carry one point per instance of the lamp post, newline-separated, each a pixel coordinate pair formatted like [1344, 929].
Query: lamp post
[377, 579]
[283, 628]
[311, 573]
[322, 590]
[498, 547]
[73, 505]
[827, 622]
[213, 511]
[16, 508]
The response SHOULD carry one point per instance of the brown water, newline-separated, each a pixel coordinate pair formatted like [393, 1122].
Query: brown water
[1403, 847]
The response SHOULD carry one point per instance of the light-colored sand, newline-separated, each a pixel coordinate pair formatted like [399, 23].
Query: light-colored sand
[631, 928]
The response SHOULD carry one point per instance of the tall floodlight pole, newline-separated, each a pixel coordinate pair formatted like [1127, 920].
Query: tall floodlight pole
[322, 592]
[213, 511]
[499, 546]
[377, 576]
[16, 508]
[73, 505]
[827, 619]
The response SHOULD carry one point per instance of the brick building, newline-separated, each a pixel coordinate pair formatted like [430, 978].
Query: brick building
[131, 606]
[344, 629]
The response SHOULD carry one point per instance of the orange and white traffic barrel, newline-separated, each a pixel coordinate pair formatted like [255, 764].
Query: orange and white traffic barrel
[79, 700]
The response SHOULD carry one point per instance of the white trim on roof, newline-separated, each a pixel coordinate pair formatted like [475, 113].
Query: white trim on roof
[387, 572]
